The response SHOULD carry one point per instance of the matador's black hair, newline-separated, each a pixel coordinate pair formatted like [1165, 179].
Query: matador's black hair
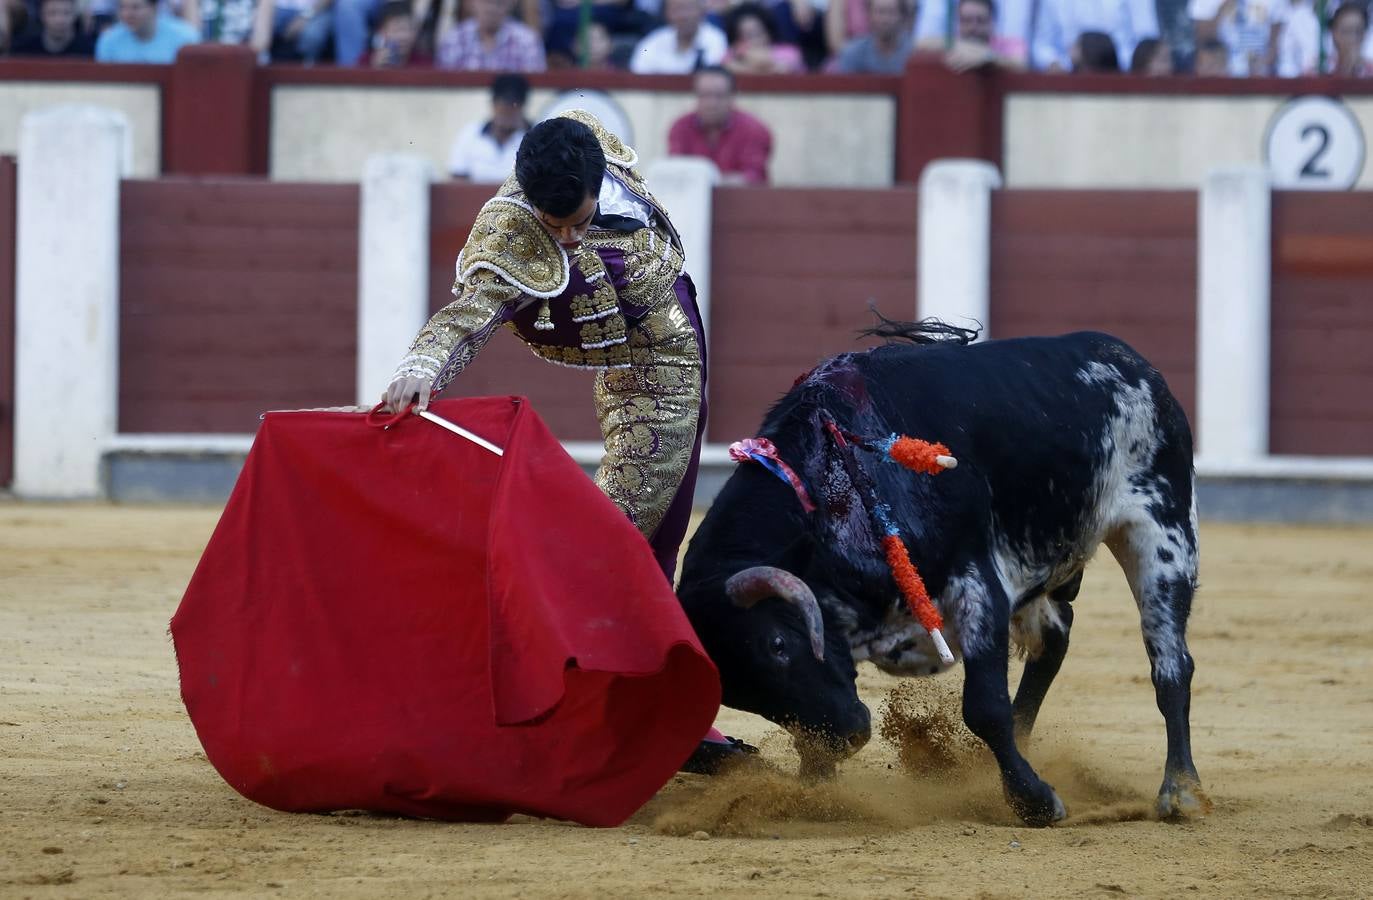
[559, 164]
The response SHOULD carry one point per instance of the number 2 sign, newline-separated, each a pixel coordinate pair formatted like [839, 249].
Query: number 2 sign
[1314, 143]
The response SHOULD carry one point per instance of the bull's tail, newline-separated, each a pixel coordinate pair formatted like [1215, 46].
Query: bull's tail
[926, 331]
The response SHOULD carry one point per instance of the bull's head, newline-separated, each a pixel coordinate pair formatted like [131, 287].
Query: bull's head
[777, 659]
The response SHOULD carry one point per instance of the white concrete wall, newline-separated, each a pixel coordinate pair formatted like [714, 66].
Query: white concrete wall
[1131, 141]
[955, 239]
[393, 266]
[1234, 270]
[685, 186]
[325, 133]
[67, 305]
[141, 105]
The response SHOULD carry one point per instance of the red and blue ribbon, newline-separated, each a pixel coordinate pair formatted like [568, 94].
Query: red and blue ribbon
[762, 451]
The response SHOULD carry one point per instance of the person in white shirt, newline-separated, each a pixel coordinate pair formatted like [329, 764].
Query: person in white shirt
[1250, 29]
[1299, 42]
[485, 151]
[1060, 23]
[686, 43]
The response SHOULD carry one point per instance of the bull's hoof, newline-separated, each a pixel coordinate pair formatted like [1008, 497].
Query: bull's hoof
[1038, 808]
[1182, 798]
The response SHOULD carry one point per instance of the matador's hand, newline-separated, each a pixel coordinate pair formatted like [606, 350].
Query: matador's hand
[406, 390]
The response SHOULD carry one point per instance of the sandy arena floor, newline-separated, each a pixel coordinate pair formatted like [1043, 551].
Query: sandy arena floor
[104, 790]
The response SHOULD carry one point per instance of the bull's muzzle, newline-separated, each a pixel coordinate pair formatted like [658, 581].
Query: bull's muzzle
[760, 582]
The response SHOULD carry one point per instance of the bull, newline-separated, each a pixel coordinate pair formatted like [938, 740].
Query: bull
[1062, 444]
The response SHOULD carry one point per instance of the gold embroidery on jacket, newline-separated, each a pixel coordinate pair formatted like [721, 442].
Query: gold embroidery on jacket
[509, 255]
[455, 334]
[508, 240]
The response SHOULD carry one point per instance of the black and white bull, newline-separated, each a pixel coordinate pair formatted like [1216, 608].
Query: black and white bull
[1062, 444]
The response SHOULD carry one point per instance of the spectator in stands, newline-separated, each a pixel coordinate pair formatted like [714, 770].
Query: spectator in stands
[485, 151]
[800, 24]
[142, 36]
[1177, 30]
[1008, 32]
[58, 33]
[393, 45]
[686, 43]
[845, 21]
[97, 15]
[1348, 32]
[1152, 57]
[563, 36]
[1060, 22]
[352, 30]
[13, 20]
[1368, 41]
[289, 30]
[1094, 51]
[230, 22]
[753, 47]
[1213, 58]
[735, 141]
[1250, 30]
[883, 51]
[489, 40]
[1299, 41]
[593, 48]
[976, 43]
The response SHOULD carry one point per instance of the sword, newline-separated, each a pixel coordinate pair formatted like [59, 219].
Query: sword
[459, 431]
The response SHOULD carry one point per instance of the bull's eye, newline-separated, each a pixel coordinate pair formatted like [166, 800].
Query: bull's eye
[779, 645]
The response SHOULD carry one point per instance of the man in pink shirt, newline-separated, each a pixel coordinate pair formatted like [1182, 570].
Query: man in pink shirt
[735, 141]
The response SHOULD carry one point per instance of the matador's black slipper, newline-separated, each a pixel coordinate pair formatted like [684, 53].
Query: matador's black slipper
[714, 757]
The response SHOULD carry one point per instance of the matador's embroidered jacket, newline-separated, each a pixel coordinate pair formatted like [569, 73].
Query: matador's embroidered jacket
[614, 304]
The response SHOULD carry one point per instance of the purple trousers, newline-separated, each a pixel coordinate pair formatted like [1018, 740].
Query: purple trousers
[667, 538]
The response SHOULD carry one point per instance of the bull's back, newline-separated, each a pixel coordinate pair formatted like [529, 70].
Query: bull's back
[1040, 419]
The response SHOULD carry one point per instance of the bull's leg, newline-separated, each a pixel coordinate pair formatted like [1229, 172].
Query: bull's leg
[984, 632]
[1041, 668]
[1160, 562]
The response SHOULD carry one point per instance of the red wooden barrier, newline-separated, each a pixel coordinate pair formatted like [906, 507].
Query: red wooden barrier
[1123, 262]
[8, 197]
[235, 297]
[1322, 365]
[946, 114]
[241, 296]
[209, 125]
[794, 271]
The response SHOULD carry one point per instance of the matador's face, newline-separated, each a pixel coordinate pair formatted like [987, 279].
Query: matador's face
[569, 230]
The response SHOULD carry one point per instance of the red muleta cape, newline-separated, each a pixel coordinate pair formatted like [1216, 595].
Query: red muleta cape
[399, 620]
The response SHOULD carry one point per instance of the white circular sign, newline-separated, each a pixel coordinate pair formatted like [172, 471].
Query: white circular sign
[1314, 143]
[599, 104]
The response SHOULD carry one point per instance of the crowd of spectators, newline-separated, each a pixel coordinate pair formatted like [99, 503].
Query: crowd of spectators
[1146, 37]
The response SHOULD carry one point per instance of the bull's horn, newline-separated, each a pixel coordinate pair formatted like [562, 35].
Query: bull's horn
[760, 582]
